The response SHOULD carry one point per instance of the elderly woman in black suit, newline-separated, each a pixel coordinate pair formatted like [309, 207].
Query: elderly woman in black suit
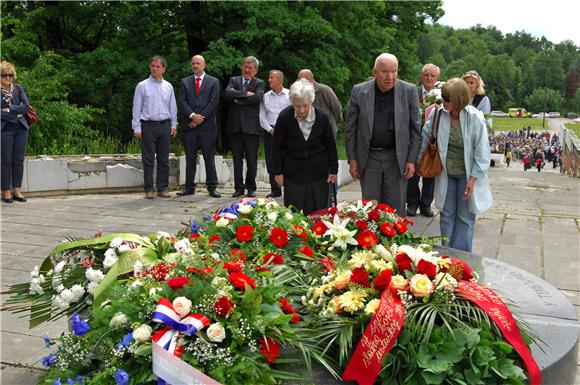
[304, 151]
[14, 133]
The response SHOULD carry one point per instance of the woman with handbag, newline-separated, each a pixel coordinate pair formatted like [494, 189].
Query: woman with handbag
[14, 133]
[462, 189]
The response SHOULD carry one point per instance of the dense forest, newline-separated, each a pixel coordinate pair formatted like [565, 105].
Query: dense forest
[80, 61]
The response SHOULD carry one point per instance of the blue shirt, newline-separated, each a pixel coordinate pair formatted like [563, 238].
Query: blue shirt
[154, 100]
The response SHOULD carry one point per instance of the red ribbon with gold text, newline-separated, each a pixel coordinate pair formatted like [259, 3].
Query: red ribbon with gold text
[377, 340]
[496, 309]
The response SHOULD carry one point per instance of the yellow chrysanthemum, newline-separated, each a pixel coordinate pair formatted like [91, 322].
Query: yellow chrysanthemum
[352, 301]
[372, 306]
[381, 265]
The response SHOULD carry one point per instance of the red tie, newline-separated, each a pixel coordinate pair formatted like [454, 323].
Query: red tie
[197, 84]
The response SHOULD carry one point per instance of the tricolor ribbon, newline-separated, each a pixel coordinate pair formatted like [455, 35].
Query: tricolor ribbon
[231, 212]
[175, 326]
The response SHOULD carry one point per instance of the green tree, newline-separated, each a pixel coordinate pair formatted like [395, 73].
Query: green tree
[554, 100]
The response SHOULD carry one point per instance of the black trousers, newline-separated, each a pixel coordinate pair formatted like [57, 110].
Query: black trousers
[14, 140]
[155, 137]
[193, 140]
[245, 146]
[420, 197]
[268, 139]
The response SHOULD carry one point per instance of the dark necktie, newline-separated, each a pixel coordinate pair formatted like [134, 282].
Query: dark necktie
[197, 84]
[246, 81]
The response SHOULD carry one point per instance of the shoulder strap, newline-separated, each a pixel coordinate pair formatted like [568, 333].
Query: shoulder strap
[435, 126]
[476, 100]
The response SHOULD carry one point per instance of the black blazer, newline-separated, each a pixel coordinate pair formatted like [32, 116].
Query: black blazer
[244, 113]
[18, 106]
[299, 159]
[204, 104]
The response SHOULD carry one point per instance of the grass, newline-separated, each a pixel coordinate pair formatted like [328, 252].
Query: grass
[516, 124]
[574, 127]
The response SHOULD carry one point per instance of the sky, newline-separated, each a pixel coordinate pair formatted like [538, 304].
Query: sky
[557, 20]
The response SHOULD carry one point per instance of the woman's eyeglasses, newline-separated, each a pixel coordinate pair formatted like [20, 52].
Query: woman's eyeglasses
[446, 98]
[7, 75]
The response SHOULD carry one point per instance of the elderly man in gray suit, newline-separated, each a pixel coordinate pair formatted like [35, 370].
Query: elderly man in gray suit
[383, 134]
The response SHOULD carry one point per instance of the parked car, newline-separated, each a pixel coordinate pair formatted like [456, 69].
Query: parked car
[553, 114]
[499, 114]
[540, 115]
[571, 115]
[518, 112]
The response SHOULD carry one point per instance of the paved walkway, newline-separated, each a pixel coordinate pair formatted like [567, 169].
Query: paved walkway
[534, 225]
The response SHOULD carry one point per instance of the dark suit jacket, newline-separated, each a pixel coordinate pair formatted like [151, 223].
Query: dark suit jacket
[244, 111]
[360, 119]
[18, 106]
[299, 159]
[204, 104]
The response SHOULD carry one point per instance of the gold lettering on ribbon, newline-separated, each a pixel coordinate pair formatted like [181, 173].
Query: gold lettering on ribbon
[500, 316]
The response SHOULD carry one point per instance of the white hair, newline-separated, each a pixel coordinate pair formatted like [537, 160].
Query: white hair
[386, 56]
[302, 89]
[252, 60]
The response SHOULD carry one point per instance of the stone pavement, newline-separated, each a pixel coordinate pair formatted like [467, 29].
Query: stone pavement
[534, 225]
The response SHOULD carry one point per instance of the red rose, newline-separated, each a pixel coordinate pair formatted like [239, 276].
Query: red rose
[233, 267]
[270, 349]
[383, 281]
[401, 227]
[427, 268]
[374, 215]
[403, 262]
[279, 237]
[223, 306]
[299, 230]
[367, 239]
[273, 259]
[307, 250]
[360, 276]
[362, 225]
[385, 208]
[327, 264]
[332, 210]
[238, 254]
[178, 282]
[387, 229]
[214, 238]
[245, 233]
[240, 280]
[319, 228]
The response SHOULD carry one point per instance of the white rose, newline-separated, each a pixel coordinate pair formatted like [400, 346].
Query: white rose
[182, 306]
[116, 242]
[153, 291]
[288, 216]
[215, 256]
[244, 209]
[421, 285]
[216, 332]
[142, 333]
[383, 252]
[182, 245]
[445, 280]
[272, 216]
[163, 234]
[118, 319]
[222, 222]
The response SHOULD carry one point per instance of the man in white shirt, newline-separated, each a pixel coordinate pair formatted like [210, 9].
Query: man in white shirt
[274, 101]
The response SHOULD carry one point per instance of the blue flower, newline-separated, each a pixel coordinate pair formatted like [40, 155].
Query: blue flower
[125, 341]
[57, 382]
[79, 326]
[207, 217]
[121, 377]
[79, 379]
[194, 227]
[69, 381]
[49, 360]
[47, 342]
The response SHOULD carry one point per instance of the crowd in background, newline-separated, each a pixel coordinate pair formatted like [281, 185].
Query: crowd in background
[532, 148]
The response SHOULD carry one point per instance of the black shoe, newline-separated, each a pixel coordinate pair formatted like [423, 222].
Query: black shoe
[214, 193]
[411, 211]
[7, 200]
[427, 212]
[19, 198]
[251, 194]
[237, 193]
[187, 191]
[274, 194]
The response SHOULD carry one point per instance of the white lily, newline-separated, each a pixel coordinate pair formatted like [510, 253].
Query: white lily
[342, 236]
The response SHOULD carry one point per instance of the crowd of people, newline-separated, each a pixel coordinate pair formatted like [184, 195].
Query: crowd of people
[533, 149]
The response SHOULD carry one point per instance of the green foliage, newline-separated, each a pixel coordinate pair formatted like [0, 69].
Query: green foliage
[553, 99]
[516, 124]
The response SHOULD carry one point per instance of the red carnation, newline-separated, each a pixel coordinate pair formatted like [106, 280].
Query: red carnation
[233, 267]
[367, 239]
[299, 230]
[366, 201]
[387, 229]
[279, 237]
[178, 282]
[383, 281]
[238, 254]
[273, 259]
[362, 225]
[401, 227]
[403, 262]
[385, 208]
[409, 222]
[327, 264]
[374, 215]
[245, 233]
[307, 250]
[427, 268]
[319, 228]
[260, 268]
[223, 306]
[360, 276]
[270, 349]
[214, 238]
[194, 236]
[240, 280]
[332, 210]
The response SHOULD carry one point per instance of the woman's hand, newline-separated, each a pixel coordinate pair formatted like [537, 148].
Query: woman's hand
[331, 178]
[469, 188]
[279, 179]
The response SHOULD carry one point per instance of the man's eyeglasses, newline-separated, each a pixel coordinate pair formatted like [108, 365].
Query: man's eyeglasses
[7, 75]
[446, 98]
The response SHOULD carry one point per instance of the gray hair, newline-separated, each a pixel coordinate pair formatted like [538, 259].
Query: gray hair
[302, 89]
[252, 60]
[431, 66]
[388, 57]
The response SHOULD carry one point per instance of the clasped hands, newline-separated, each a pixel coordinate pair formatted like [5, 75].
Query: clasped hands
[196, 120]
[355, 174]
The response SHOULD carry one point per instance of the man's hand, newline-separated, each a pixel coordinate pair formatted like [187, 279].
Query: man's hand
[271, 132]
[192, 124]
[409, 170]
[353, 169]
[137, 135]
[197, 119]
[250, 93]
[331, 178]
[279, 179]
[173, 132]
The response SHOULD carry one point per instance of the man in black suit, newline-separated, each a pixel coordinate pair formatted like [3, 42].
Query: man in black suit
[199, 99]
[245, 93]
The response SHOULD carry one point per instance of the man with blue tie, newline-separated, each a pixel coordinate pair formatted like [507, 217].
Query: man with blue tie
[199, 99]
[155, 123]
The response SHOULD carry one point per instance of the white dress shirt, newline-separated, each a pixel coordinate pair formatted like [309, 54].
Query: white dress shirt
[154, 100]
[270, 108]
[306, 124]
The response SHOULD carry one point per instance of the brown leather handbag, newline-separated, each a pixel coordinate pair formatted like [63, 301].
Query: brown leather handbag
[430, 164]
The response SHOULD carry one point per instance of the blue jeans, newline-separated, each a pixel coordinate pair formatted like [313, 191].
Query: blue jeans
[14, 139]
[457, 223]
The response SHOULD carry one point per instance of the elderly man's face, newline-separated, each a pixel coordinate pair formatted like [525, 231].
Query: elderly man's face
[197, 65]
[386, 74]
[302, 108]
[429, 77]
[249, 70]
[275, 82]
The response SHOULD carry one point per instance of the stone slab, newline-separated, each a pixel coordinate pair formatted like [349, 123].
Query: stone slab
[86, 180]
[122, 175]
[46, 174]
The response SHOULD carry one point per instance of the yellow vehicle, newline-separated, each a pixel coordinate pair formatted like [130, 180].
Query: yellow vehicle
[518, 113]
